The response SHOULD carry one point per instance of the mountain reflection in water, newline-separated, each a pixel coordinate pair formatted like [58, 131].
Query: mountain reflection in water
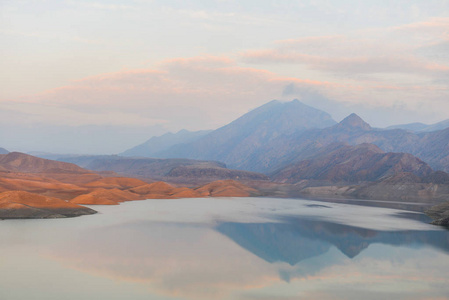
[300, 239]
[228, 248]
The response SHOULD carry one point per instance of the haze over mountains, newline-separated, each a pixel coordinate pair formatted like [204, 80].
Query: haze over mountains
[171, 169]
[421, 127]
[155, 145]
[281, 149]
[277, 134]
[296, 144]
[240, 140]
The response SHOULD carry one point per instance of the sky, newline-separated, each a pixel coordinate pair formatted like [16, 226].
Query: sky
[103, 76]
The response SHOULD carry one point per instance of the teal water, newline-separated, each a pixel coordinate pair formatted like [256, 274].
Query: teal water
[226, 248]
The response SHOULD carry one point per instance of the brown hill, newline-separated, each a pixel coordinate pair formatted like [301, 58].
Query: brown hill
[185, 193]
[51, 181]
[226, 188]
[78, 179]
[344, 163]
[106, 197]
[163, 190]
[39, 184]
[159, 187]
[116, 182]
[20, 204]
[20, 162]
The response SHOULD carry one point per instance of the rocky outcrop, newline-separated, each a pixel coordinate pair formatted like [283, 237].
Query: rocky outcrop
[439, 214]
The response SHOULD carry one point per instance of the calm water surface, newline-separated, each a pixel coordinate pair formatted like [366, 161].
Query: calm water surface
[226, 248]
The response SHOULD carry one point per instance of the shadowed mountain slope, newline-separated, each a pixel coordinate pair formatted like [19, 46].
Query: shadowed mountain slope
[344, 163]
[432, 147]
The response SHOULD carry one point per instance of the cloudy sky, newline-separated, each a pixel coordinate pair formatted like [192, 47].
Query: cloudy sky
[102, 76]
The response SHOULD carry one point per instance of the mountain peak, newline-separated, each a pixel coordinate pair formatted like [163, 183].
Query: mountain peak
[354, 121]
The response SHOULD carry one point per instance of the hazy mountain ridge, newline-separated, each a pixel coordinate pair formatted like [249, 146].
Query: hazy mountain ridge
[155, 145]
[163, 169]
[421, 127]
[236, 142]
[432, 147]
[287, 149]
[278, 134]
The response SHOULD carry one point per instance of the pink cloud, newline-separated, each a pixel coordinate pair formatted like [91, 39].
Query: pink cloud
[210, 91]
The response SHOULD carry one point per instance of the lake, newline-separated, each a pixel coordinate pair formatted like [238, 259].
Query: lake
[226, 248]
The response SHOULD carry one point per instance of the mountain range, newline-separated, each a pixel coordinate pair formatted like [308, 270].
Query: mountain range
[278, 149]
[238, 142]
[278, 134]
[352, 164]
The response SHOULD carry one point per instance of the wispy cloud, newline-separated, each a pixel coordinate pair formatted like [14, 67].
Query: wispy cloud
[209, 91]
[198, 92]
[101, 6]
[379, 51]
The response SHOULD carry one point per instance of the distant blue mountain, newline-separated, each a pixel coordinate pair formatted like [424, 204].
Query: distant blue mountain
[421, 127]
[235, 143]
[3, 151]
[278, 134]
[158, 144]
[416, 127]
